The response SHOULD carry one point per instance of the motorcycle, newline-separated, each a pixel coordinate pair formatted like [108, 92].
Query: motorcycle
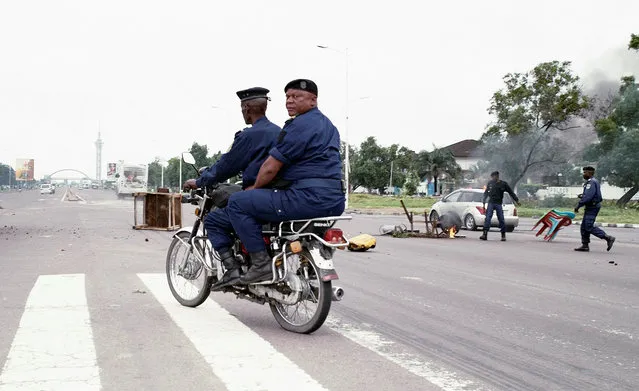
[300, 293]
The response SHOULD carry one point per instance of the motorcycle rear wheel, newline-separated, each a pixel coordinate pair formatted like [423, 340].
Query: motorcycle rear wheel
[189, 281]
[319, 296]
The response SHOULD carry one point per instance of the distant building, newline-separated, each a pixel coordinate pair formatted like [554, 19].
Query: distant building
[466, 153]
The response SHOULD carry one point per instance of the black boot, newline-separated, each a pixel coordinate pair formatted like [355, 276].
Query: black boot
[503, 236]
[584, 247]
[232, 275]
[610, 240]
[484, 236]
[260, 270]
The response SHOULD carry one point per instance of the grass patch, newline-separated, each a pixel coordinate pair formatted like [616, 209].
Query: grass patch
[608, 214]
[366, 201]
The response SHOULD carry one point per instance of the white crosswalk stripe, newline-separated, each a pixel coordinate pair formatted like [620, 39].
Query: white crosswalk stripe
[54, 347]
[240, 357]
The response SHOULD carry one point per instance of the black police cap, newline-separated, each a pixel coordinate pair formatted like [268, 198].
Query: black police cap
[494, 173]
[252, 93]
[302, 84]
[588, 168]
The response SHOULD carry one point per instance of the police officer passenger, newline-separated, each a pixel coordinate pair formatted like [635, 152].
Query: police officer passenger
[249, 150]
[307, 156]
[591, 199]
[494, 191]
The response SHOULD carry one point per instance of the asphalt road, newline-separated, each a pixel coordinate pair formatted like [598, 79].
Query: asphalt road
[84, 305]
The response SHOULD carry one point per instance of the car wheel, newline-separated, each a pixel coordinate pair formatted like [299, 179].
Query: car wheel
[469, 222]
[510, 228]
[434, 216]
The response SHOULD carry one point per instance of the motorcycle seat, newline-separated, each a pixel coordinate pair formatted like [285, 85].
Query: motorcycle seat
[317, 225]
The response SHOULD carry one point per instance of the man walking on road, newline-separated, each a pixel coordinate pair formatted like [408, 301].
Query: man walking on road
[591, 199]
[495, 190]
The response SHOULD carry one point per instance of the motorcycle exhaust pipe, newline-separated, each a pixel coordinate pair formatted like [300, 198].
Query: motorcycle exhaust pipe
[338, 293]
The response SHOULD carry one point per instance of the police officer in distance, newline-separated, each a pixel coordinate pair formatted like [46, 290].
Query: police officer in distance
[494, 191]
[591, 199]
[307, 156]
[249, 150]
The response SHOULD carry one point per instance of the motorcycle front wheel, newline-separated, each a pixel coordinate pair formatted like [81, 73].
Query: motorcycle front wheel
[189, 281]
[308, 314]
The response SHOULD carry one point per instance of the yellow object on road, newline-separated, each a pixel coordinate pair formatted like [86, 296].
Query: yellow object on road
[361, 242]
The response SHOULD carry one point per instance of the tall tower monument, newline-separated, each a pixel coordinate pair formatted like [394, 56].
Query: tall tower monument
[98, 156]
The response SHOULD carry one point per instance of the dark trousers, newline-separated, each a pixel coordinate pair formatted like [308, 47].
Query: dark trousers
[249, 210]
[588, 225]
[219, 228]
[500, 216]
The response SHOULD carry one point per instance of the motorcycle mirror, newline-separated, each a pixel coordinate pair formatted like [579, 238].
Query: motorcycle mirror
[188, 158]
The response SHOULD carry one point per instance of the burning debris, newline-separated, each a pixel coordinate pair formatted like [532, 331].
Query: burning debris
[446, 226]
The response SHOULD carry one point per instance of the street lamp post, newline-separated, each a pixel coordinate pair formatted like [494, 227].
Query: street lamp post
[347, 167]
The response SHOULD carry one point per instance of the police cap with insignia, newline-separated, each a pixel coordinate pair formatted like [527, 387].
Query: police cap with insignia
[302, 84]
[252, 93]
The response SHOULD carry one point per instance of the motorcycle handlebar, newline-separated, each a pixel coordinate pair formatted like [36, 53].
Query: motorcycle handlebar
[192, 197]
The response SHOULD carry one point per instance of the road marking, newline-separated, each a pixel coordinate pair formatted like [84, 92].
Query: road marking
[53, 347]
[417, 365]
[236, 354]
[412, 278]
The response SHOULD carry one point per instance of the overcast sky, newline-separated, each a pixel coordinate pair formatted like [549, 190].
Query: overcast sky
[158, 75]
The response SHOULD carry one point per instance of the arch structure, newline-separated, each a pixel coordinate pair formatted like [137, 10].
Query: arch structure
[84, 175]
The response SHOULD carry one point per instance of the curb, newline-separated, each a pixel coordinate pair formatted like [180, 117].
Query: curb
[371, 213]
[612, 225]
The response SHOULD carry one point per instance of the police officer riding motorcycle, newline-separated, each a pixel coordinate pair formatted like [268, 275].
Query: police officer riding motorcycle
[283, 236]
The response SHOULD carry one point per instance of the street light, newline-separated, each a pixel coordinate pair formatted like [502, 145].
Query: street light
[347, 167]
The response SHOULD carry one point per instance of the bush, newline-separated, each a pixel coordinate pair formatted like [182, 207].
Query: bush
[558, 201]
[528, 190]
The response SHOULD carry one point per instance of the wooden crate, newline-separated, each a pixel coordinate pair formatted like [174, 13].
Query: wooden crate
[158, 211]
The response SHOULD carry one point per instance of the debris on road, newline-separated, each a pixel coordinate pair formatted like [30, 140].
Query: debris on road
[361, 242]
[389, 229]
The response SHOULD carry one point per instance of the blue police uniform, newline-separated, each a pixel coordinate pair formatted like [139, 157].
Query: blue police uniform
[591, 200]
[309, 148]
[249, 150]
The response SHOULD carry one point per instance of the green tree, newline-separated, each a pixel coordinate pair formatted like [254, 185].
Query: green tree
[443, 162]
[528, 111]
[201, 155]
[7, 175]
[618, 133]
[372, 167]
[411, 183]
[155, 174]
[422, 164]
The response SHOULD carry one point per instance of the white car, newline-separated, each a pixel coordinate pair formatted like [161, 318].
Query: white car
[46, 188]
[468, 206]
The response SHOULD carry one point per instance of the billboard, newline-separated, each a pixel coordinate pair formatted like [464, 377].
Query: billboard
[111, 170]
[24, 169]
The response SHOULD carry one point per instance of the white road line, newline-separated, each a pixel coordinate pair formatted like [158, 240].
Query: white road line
[237, 355]
[53, 347]
[417, 365]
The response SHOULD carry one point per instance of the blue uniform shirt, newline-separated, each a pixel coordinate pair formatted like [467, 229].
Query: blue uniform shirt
[592, 193]
[249, 150]
[309, 147]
